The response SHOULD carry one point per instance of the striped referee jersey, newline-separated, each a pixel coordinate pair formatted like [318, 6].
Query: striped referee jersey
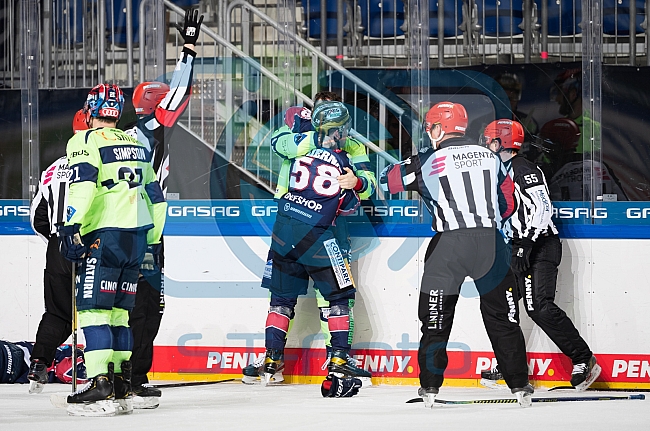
[462, 184]
[49, 205]
[534, 206]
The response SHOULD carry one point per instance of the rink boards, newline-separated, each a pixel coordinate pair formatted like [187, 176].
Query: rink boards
[215, 309]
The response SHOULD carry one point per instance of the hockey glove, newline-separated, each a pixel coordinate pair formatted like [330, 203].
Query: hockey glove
[192, 26]
[521, 250]
[334, 387]
[70, 244]
[151, 262]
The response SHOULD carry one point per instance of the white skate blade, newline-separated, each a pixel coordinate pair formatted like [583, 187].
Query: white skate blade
[35, 387]
[275, 379]
[266, 379]
[524, 398]
[124, 407]
[96, 409]
[59, 400]
[494, 384]
[429, 400]
[141, 403]
[593, 375]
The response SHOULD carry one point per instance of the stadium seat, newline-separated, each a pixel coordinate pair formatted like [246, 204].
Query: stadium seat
[382, 18]
[116, 21]
[564, 17]
[616, 17]
[500, 17]
[68, 13]
[453, 17]
[314, 16]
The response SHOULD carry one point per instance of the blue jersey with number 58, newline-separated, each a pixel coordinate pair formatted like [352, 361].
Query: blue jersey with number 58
[315, 196]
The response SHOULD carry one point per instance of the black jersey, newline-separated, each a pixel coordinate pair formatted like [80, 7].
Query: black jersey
[314, 195]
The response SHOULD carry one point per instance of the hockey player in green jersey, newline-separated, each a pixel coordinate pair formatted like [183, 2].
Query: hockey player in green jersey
[298, 122]
[115, 208]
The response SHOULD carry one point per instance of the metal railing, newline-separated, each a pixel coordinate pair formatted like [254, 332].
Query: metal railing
[238, 98]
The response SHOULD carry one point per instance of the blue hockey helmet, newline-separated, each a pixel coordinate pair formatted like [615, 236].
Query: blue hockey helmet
[104, 101]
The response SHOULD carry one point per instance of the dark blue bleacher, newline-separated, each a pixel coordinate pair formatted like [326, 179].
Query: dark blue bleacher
[616, 17]
[116, 19]
[453, 17]
[313, 17]
[69, 12]
[500, 17]
[564, 17]
[382, 18]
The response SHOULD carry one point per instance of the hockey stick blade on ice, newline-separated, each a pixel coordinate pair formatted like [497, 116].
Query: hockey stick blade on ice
[537, 400]
[184, 384]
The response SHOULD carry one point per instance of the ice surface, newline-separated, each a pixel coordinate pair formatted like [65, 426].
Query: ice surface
[234, 406]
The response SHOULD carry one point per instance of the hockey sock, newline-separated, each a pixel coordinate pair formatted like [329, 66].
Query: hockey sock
[277, 325]
[122, 336]
[339, 324]
[99, 340]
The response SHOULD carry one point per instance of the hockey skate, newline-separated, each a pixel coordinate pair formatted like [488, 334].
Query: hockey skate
[254, 373]
[122, 388]
[37, 376]
[428, 396]
[343, 365]
[273, 362]
[585, 374]
[95, 398]
[493, 379]
[524, 395]
[146, 396]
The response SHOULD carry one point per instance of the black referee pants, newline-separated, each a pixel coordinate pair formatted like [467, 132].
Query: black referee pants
[482, 254]
[537, 289]
[144, 321]
[56, 324]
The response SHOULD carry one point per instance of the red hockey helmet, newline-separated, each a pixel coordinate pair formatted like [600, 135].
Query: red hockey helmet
[509, 133]
[452, 117]
[148, 95]
[79, 121]
[104, 101]
[563, 132]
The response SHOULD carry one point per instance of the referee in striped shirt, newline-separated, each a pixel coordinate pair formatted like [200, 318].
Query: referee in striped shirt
[47, 209]
[469, 193]
[537, 252]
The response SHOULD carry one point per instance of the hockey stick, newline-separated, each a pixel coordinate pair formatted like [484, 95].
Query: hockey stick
[557, 388]
[183, 384]
[536, 400]
[74, 327]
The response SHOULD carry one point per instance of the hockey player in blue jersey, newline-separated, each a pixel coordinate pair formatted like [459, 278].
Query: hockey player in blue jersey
[304, 243]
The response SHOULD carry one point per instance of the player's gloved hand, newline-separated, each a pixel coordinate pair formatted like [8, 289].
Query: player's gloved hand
[70, 244]
[521, 250]
[151, 263]
[335, 387]
[191, 27]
